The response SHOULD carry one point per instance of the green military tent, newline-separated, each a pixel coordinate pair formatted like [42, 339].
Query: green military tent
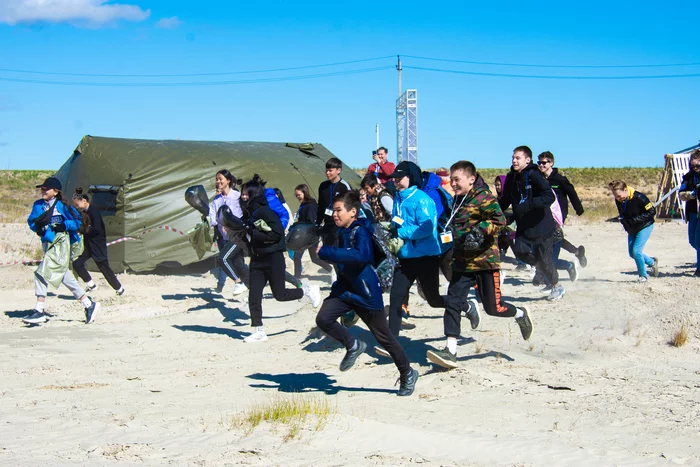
[139, 185]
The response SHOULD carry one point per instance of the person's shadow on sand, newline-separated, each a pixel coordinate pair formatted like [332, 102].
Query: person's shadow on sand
[306, 382]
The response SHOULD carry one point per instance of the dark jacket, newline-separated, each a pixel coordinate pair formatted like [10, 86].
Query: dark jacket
[636, 212]
[357, 282]
[690, 183]
[308, 212]
[565, 192]
[95, 237]
[325, 200]
[263, 243]
[531, 197]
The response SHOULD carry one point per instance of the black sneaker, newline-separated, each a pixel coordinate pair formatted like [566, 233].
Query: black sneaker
[581, 256]
[91, 311]
[697, 272]
[408, 383]
[525, 323]
[90, 288]
[120, 292]
[573, 271]
[351, 356]
[443, 358]
[36, 318]
[472, 313]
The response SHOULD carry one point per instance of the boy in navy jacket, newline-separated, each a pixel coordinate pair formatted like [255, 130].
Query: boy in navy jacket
[358, 289]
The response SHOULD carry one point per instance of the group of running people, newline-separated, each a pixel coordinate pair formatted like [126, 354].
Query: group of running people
[426, 225]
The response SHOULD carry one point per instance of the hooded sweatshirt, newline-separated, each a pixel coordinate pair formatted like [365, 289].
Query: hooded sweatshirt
[531, 197]
[477, 209]
[565, 192]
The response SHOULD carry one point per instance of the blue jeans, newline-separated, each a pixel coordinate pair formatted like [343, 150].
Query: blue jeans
[694, 236]
[635, 245]
[560, 264]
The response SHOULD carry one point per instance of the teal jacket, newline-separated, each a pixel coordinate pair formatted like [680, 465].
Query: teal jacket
[419, 227]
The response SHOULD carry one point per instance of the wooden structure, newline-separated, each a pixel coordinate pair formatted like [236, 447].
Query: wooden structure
[675, 166]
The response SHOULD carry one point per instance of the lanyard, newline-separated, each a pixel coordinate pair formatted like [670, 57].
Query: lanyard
[454, 211]
[399, 202]
[523, 196]
[332, 189]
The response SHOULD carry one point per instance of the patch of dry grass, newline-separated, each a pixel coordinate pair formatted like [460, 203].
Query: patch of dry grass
[18, 191]
[680, 337]
[293, 411]
[71, 387]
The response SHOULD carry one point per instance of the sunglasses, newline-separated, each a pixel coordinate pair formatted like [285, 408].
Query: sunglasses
[544, 162]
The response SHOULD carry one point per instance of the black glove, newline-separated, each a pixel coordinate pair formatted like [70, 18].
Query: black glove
[473, 240]
[58, 228]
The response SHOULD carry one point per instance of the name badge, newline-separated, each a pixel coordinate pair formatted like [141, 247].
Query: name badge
[329, 212]
[397, 220]
[446, 237]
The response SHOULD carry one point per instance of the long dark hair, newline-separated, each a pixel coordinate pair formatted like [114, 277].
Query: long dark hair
[85, 224]
[280, 196]
[232, 181]
[253, 188]
[304, 188]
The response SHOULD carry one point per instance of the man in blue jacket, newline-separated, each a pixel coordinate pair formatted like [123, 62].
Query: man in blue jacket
[358, 289]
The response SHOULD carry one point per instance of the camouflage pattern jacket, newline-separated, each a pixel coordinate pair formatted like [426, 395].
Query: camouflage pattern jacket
[478, 209]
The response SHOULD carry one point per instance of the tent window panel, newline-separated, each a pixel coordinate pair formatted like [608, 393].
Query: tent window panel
[104, 198]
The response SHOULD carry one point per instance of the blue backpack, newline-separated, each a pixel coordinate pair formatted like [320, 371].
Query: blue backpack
[276, 205]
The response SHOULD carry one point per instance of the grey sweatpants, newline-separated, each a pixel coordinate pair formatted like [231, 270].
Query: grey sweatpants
[41, 287]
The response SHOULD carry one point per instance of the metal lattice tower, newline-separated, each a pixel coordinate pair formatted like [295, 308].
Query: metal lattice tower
[407, 126]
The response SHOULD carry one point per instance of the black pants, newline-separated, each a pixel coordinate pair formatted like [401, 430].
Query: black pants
[266, 269]
[334, 308]
[426, 270]
[539, 254]
[445, 269]
[298, 255]
[568, 246]
[103, 266]
[231, 259]
[488, 286]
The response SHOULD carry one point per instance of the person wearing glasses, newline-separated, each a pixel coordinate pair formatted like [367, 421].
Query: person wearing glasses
[565, 192]
[689, 194]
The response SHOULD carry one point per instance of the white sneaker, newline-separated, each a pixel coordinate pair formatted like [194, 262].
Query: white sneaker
[239, 288]
[314, 294]
[257, 336]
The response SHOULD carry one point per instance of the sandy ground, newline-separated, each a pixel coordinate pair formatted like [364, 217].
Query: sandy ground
[158, 377]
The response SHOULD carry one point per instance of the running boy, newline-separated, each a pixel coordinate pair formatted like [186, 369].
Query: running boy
[358, 289]
[476, 219]
[327, 191]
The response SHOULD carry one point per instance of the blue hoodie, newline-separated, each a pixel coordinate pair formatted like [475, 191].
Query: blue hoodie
[431, 186]
[357, 282]
[63, 214]
[419, 229]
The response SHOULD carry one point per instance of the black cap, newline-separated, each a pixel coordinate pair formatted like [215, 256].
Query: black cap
[401, 170]
[51, 182]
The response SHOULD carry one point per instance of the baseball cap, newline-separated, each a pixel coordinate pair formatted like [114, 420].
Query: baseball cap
[401, 170]
[51, 182]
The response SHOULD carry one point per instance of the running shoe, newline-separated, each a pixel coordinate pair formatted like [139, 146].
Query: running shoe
[91, 311]
[36, 318]
[257, 336]
[697, 272]
[573, 271]
[349, 319]
[547, 289]
[557, 293]
[655, 267]
[472, 313]
[642, 279]
[525, 323]
[90, 288]
[351, 355]
[314, 294]
[239, 288]
[408, 383]
[120, 292]
[581, 256]
[443, 358]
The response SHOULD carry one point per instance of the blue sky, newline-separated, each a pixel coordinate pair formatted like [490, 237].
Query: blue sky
[480, 118]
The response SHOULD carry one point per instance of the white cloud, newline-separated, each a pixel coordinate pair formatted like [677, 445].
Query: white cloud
[94, 12]
[168, 23]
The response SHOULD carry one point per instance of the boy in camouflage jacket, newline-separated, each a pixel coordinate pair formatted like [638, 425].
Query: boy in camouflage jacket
[476, 221]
